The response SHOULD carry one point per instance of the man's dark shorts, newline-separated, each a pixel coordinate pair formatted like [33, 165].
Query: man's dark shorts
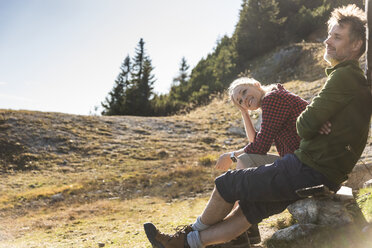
[268, 189]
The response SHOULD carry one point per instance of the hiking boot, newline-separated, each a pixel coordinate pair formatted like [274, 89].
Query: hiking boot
[254, 234]
[161, 240]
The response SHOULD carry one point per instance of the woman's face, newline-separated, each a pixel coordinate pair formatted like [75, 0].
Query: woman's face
[248, 96]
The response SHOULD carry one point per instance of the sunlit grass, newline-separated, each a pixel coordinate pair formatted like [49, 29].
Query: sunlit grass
[114, 223]
[115, 174]
[365, 202]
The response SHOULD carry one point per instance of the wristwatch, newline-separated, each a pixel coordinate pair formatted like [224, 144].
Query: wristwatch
[232, 157]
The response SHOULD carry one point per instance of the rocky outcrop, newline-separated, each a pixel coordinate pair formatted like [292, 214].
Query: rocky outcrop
[319, 213]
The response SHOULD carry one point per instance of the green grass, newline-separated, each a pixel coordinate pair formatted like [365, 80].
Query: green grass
[365, 202]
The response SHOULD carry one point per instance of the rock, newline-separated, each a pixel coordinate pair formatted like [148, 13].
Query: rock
[304, 211]
[344, 194]
[228, 141]
[100, 244]
[236, 131]
[57, 197]
[163, 154]
[367, 184]
[295, 232]
[281, 63]
[359, 175]
[321, 212]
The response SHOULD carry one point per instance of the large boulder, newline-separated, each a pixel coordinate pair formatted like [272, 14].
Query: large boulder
[320, 212]
[326, 211]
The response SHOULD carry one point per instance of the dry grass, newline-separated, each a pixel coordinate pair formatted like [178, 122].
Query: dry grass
[114, 173]
[112, 222]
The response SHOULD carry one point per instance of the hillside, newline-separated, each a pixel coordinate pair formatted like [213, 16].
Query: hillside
[88, 181]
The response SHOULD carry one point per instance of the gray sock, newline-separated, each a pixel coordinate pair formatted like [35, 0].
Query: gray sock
[193, 239]
[199, 225]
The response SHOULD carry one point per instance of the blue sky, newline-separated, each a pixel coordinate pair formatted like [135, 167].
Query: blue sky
[64, 55]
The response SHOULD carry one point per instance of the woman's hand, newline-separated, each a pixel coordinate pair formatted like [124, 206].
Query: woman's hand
[240, 107]
[224, 162]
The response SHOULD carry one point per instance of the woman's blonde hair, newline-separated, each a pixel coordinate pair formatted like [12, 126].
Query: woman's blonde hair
[247, 81]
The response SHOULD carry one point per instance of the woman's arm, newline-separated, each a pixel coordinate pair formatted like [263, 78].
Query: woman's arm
[248, 126]
[250, 132]
[224, 161]
[275, 112]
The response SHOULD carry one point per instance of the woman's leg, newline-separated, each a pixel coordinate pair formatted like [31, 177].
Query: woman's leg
[248, 160]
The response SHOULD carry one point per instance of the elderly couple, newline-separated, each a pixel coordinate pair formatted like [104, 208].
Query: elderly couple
[318, 143]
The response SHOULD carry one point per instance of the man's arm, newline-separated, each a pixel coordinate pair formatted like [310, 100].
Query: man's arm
[331, 99]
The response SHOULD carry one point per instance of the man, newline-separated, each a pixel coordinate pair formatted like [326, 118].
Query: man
[322, 158]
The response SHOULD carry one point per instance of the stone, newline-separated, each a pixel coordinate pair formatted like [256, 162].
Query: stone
[359, 175]
[344, 194]
[236, 131]
[367, 184]
[324, 211]
[295, 232]
[304, 211]
[57, 197]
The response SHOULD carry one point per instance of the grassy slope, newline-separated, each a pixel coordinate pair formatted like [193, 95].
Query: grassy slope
[112, 173]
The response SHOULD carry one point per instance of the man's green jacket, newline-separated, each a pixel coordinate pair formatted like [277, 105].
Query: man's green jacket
[345, 101]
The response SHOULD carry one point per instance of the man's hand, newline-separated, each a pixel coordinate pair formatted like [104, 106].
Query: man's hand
[224, 162]
[326, 128]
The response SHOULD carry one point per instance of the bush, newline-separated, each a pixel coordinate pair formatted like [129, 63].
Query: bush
[207, 160]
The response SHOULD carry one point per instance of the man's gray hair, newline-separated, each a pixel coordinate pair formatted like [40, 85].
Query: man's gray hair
[357, 20]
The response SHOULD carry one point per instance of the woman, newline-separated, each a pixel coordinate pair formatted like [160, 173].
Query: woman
[280, 109]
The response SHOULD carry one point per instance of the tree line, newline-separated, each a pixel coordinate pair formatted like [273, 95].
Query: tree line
[263, 25]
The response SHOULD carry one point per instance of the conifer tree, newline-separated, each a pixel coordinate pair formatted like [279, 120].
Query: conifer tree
[257, 30]
[145, 88]
[141, 90]
[178, 88]
[115, 102]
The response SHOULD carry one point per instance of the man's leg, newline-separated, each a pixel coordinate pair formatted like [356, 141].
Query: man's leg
[216, 210]
[231, 227]
[249, 160]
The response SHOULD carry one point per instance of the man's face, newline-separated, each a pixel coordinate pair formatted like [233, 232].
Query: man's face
[338, 45]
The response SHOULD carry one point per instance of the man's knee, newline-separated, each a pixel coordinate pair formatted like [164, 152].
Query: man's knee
[216, 195]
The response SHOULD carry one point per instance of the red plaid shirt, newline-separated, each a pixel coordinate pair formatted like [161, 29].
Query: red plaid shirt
[280, 109]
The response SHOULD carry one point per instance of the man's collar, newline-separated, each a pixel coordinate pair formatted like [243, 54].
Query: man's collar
[342, 64]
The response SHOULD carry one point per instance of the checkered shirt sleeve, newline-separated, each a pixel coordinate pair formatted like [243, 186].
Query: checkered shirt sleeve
[280, 110]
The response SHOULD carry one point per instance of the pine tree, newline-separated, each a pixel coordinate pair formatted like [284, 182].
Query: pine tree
[141, 90]
[257, 30]
[183, 72]
[115, 102]
[178, 88]
[145, 88]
